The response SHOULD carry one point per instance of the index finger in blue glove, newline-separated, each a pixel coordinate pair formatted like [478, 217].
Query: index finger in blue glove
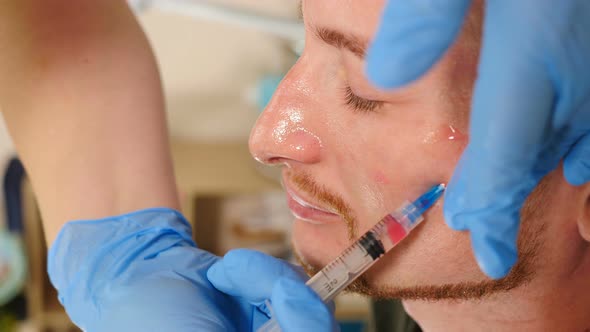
[299, 308]
[250, 274]
[510, 126]
[412, 36]
[576, 166]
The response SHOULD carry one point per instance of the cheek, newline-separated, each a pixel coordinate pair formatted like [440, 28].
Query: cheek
[432, 255]
[444, 145]
[418, 160]
[445, 133]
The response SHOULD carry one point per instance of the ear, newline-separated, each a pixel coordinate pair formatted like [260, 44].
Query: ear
[584, 219]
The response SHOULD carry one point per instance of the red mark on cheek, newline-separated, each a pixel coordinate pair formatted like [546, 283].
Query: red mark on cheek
[380, 178]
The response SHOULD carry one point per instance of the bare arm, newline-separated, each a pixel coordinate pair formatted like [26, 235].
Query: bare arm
[81, 95]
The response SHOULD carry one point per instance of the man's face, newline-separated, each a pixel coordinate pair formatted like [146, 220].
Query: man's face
[352, 153]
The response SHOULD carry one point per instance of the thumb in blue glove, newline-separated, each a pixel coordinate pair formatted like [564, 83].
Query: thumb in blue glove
[255, 277]
[531, 105]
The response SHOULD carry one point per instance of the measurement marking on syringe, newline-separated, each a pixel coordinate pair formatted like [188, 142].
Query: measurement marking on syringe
[332, 282]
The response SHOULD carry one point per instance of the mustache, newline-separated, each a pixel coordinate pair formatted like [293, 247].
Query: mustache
[305, 183]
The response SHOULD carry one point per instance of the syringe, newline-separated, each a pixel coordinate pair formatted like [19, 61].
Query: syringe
[362, 254]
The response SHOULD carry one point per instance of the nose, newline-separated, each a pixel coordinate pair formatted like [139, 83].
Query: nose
[287, 130]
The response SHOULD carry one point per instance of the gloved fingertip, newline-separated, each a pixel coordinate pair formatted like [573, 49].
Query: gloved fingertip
[576, 172]
[238, 256]
[389, 68]
[412, 36]
[299, 308]
[496, 269]
[495, 258]
[381, 68]
[290, 288]
[216, 276]
[576, 164]
[453, 218]
[455, 203]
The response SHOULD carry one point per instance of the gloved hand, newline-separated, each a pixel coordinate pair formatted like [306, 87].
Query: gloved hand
[255, 277]
[142, 272]
[531, 104]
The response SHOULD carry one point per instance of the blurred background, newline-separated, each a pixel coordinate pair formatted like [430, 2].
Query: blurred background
[220, 62]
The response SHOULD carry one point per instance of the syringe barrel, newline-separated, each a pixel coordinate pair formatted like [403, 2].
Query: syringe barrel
[342, 271]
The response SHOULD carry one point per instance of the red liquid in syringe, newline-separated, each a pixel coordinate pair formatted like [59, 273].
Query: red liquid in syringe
[395, 230]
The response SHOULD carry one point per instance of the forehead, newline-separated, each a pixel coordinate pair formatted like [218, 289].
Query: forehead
[358, 17]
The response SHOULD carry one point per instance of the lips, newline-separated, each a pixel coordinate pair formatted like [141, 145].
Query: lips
[307, 211]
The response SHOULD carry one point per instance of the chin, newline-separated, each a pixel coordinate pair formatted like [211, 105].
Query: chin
[317, 245]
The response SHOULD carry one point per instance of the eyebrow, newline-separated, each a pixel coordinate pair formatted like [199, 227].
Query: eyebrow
[354, 44]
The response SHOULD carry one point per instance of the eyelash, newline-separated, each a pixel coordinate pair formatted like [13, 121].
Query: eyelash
[359, 104]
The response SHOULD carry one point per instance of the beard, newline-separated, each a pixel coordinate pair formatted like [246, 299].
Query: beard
[529, 244]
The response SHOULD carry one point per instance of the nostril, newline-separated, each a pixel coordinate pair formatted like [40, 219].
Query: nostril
[271, 159]
[274, 160]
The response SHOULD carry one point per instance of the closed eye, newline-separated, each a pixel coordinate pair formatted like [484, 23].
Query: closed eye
[359, 104]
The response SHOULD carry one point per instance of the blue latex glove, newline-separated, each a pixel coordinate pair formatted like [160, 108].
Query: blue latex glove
[255, 277]
[142, 272]
[531, 105]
